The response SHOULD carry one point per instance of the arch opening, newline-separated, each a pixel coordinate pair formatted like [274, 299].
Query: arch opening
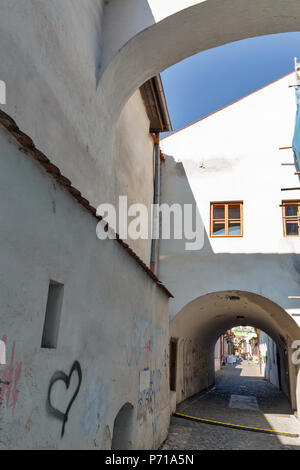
[140, 56]
[197, 327]
[255, 353]
[123, 428]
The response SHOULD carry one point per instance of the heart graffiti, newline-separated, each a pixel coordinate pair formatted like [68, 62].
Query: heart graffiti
[61, 376]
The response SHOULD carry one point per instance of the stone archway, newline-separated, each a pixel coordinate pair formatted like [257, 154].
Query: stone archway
[139, 54]
[146, 48]
[136, 46]
[199, 324]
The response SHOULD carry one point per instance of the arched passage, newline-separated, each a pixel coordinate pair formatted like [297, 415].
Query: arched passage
[199, 324]
[123, 429]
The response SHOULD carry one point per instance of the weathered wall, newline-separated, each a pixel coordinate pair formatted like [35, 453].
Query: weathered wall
[52, 73]
[56, 95]
[50, 58]
[199, 324]
[123, 19]
[133, 160]
[268, 358]
[114, 321]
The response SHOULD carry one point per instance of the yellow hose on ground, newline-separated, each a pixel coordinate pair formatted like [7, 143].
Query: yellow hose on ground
[237, 426]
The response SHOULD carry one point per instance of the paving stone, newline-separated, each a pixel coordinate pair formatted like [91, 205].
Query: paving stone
[243, 402]
[244, 380]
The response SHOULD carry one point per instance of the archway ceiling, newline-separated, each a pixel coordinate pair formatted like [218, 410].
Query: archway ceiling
[211, 315]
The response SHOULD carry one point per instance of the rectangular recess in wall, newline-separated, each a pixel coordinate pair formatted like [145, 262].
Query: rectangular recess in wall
[52, 316]
[173, 363]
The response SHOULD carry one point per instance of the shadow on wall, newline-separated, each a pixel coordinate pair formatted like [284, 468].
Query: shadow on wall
[190, 274]
[123, 429]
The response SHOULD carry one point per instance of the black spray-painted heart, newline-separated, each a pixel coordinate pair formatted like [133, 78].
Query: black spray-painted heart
[59, 375]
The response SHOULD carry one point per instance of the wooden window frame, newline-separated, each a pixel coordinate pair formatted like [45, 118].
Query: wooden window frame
[290, 202]
[226, 219]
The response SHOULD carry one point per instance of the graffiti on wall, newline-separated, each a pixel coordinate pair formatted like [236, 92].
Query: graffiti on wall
[95, 404]
[10, 376]
[149, 390]
[145, 338]
[66, 379]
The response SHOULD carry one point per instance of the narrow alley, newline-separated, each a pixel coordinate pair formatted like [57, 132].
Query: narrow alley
[150, 227]
[240, 396]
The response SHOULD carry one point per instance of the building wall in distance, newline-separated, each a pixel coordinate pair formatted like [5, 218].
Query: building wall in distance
[218, 354]
[268, 358]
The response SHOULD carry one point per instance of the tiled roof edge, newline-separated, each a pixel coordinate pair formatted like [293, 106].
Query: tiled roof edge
[29, 147]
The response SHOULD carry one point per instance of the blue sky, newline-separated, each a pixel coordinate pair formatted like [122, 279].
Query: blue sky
[207, 81]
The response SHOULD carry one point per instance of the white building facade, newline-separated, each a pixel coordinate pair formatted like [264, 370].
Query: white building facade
[269, 359]
[230, 167]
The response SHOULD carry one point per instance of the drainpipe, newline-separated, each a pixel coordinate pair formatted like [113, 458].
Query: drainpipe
[155, 214]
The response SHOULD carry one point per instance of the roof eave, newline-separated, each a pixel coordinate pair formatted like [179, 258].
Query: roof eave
[154, 99]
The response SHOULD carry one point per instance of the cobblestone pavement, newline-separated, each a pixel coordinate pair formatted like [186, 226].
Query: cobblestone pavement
[258, 404]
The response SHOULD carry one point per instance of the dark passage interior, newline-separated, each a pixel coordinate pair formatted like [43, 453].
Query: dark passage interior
[240, 396]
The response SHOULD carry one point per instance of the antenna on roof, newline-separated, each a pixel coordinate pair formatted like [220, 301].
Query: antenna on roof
[297, 71]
